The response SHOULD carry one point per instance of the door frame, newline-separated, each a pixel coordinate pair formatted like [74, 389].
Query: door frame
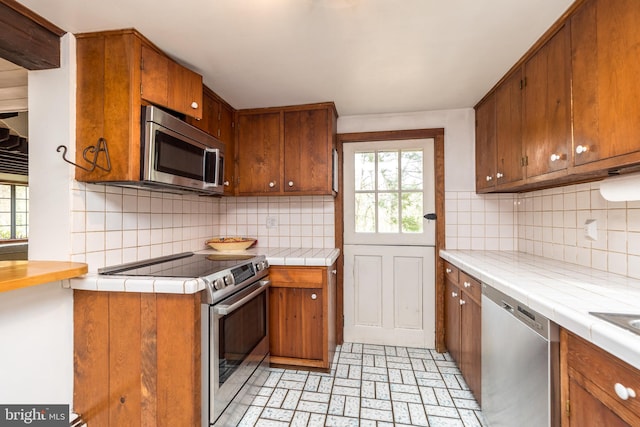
[438, 135]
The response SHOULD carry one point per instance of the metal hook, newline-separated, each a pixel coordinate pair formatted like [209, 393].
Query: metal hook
[95, 150]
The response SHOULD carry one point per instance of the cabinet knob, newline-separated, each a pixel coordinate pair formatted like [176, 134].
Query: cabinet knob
[334, 271]
[454, 294]
[290, 183]
[467, 284]
[489, 178]
[314, 296]
[272, 184]
[194, 105]
[226, 183]
[556, 157]
[462, 302]
[623, 392]
[448, 270]
[581, 149]
[499, 175]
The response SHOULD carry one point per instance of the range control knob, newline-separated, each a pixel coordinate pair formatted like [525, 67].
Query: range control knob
[262, 265]
[219, 283]
[229, 280]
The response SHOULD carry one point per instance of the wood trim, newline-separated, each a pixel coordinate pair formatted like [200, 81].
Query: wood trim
[28, 40]
[438, 135]
[301, 107]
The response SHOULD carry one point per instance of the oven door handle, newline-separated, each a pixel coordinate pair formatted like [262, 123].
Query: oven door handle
[225, 309]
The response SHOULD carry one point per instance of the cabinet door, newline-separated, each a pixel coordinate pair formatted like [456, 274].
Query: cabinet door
[226, 135]
[184, 90]
[307, 151]
[547, 106]
[154, 75]
[470, 343]
[605, 36]
[587, 410]
[296, 323]
[210, 111]
[259, 160]
[486, 145]
[452, 321]
[509, 167]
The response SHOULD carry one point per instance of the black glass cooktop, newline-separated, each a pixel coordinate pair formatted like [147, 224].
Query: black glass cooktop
[188, 265]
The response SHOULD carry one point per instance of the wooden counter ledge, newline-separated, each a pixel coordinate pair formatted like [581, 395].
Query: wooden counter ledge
[22, 274]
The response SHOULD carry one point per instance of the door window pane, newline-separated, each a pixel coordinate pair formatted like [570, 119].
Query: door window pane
[365, 171]
[388, 213]
[365, 213]
[412, 170]
[412, 211]
[388, 173]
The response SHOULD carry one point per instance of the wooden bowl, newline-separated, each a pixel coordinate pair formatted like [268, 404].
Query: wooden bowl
[230, 244]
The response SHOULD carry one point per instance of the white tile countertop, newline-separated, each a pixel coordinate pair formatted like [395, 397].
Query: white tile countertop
[294, 256]
[563, 292]
[275, 256]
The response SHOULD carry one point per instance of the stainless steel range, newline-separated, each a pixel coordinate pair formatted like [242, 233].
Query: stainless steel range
[235, 340]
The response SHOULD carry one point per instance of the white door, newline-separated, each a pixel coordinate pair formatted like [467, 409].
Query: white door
[389, 248]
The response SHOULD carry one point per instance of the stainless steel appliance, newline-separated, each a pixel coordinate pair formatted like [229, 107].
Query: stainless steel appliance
[177, 157]
[234, 319]
[520, 364]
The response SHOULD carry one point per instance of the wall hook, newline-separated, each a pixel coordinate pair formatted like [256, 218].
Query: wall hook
[92, 150]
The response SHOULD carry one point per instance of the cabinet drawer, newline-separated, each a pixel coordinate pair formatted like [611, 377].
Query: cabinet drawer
[298, 277]
[451, 272]
[602, 371]
[470, 285]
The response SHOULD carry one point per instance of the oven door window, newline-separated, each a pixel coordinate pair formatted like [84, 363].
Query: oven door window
[240, 332]
[177, 157]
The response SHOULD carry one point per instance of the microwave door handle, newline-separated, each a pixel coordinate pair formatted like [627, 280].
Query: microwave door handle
[205, 163]
[225, 309]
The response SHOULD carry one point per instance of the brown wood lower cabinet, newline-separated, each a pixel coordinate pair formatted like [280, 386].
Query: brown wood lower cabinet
[463, 325]
[302, 316]
[589, 375]
[137, 359]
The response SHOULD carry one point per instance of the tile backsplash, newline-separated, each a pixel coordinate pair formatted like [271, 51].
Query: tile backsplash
[113, 225]
[480, 222]
[549, 223]
[292, 222]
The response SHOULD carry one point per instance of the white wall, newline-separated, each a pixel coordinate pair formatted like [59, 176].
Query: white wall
[36, 324]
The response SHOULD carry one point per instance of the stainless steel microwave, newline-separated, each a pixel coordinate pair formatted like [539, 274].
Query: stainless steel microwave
[177, 156]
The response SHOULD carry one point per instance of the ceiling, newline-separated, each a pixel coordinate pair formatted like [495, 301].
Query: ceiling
[368, 56]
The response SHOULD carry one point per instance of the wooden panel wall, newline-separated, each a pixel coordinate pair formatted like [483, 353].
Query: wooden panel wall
[137, 358]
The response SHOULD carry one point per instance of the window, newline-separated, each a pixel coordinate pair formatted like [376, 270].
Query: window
[14, 212]
[388, 191]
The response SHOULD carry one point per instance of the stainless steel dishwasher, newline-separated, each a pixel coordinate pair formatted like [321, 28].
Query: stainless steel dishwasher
[520, 364]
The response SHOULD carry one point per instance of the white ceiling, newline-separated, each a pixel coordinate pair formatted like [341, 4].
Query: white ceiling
[368, 56]
[13, 87]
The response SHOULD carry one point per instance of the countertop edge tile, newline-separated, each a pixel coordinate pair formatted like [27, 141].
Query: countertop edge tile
[580, 290]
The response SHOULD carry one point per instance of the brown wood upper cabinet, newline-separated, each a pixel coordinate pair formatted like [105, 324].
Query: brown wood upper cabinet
[117, 73]
[578, 112]
[286, 150]
[486, 145]
[532, 120]
[218, 120]
[605, 36]
[166, 83]
[547, 108]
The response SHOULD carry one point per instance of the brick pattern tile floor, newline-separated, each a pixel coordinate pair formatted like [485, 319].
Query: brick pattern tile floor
[369, 386]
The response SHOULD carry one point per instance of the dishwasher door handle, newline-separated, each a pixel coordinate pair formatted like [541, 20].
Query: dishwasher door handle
[507, 307]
